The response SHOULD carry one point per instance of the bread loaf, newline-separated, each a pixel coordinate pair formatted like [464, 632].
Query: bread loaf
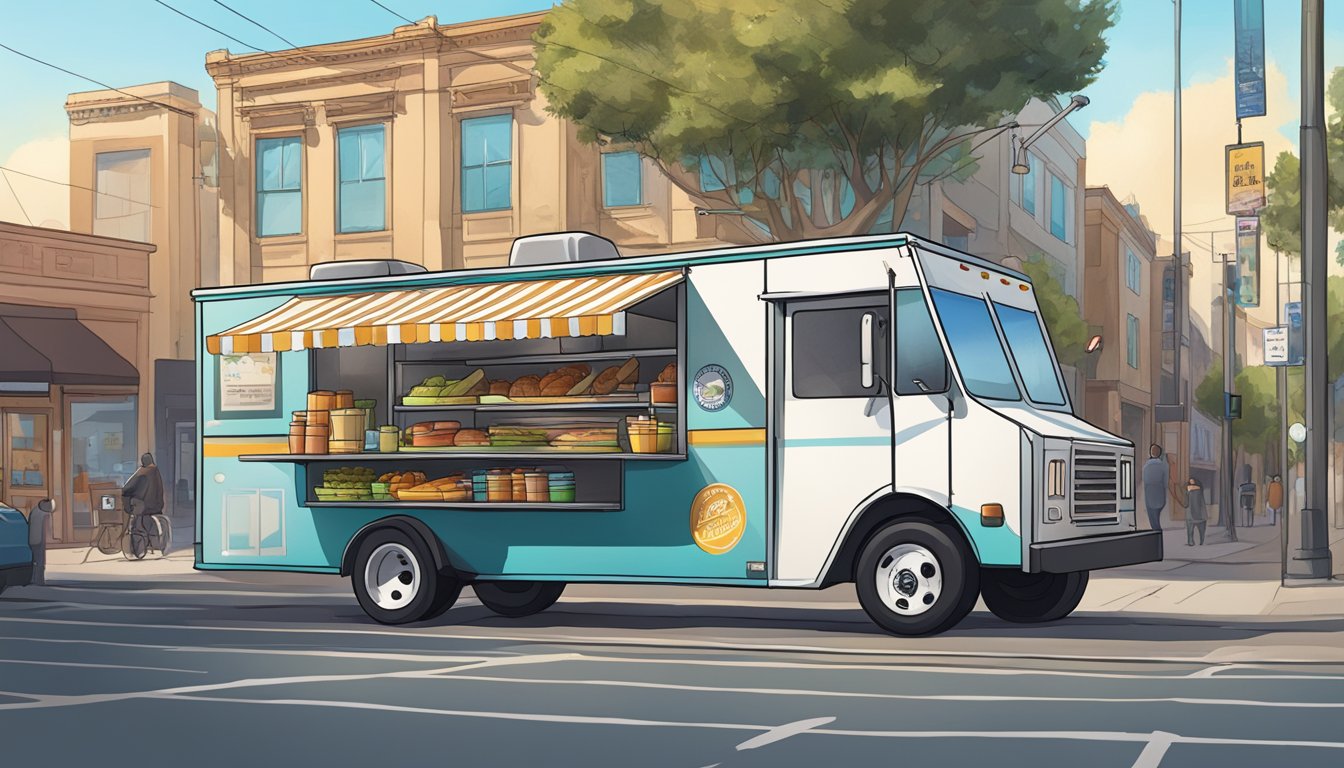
[668, 374]
[525, 386]
[558, 386]
[471, 437]
[500, 387]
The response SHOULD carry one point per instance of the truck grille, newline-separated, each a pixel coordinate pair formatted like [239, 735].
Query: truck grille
[1096, 486]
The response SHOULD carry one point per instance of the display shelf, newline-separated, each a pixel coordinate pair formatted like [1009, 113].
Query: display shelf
[577, 506]
[558, 357]
[628, 405]
[303, 458]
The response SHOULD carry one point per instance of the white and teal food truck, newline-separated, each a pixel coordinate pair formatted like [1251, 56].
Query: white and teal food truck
[879, 410]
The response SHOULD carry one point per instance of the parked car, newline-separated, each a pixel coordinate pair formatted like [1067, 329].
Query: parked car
[16, 559]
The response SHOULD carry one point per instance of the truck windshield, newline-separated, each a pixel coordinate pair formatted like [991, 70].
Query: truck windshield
[1022, 329]
[975, 345]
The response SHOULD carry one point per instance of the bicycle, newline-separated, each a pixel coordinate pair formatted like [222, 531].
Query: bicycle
[135, 535]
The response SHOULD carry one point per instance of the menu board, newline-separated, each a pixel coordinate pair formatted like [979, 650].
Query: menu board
[248, 385]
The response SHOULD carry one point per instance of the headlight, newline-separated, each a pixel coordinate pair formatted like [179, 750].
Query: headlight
[1126, 478]
[1055, 474]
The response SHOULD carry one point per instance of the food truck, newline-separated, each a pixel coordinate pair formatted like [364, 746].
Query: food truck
[880, 410]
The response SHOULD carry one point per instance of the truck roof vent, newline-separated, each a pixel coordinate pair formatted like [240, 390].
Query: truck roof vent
[561, 248]
[342, 270]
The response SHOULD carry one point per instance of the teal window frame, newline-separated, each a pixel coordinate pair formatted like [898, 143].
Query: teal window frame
[361, 178]
[482, 137]
[1029, 184]
[1133, 272]
[1132, 341]
[281, 191]
[622, 179]
[1059, 208]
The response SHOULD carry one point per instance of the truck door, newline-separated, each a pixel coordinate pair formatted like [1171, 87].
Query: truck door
[833, 422]
[921, 430]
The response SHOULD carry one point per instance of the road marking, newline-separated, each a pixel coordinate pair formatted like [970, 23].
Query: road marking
[100, 666]
[782, 732]
[803, 692]
[372, 655]
[688, 643]
[1154, 750]
[343, 595]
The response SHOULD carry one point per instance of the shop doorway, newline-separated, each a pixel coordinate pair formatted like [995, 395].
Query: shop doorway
[104, 453]
[184, 468]
[26, 460]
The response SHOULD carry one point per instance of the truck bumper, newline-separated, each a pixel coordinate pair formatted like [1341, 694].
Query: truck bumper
[1095, 552]
[16, 575]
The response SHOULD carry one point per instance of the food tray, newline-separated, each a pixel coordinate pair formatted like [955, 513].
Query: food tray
[508, 449]
[416, 400]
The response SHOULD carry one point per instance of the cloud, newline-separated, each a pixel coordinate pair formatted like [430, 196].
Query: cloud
[1134, 156]
[46, 204]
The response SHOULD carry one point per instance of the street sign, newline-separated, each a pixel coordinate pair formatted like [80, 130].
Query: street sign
[1248, 261]
[1292, 317]
[1276, 345]
[1249, 35]
[1245, 178]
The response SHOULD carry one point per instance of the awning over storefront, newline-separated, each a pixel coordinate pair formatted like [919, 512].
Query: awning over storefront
[537, 309]
[47, 345]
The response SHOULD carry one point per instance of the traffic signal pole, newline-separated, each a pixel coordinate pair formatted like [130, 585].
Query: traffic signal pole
[1312, 558]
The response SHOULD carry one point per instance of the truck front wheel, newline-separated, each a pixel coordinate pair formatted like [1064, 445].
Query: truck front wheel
[1029, 598]
[916, 578]
[517, 599]
[395, 579]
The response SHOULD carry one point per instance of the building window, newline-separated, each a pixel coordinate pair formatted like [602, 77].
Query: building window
[122, 203]
[1029, 184]
[1059, 205]
[1132, 341]
[1133, 272]
[713, 174]
[279, 186]
[622, 179]
[956, 234]
[487, 163]
[362, 163]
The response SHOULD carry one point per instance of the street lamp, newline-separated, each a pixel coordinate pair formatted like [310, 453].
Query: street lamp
[1020, 166]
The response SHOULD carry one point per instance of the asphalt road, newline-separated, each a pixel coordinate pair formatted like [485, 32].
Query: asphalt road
[251, 672]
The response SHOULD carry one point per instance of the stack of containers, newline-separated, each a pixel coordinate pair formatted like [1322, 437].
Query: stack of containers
[561, 487]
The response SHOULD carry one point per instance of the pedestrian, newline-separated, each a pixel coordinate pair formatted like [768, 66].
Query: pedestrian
[1274, 499]
[1156, 475]
[39, 522]
[1247, 493]
[1196, 514]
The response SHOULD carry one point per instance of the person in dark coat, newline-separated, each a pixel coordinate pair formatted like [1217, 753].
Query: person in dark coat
[1196, 514]
[144, 491]
[39, 521]
[1156, 474]
[1247, 493]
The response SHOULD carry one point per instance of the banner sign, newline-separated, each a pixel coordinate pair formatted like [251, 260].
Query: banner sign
[1249, 23]
[1245, 178]
[1292, 317]
[1248, 261]
[1276, 345]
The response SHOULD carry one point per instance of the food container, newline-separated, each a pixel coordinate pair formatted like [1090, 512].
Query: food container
[318, 417]
[347, 424]
[538, 486]
[345, 398]
[296, 430]
[479, 486]
[649, 436]
[370, 408]
[499, 486]
[321, 400]
[519, 480]
[561, 487]
[315, 437]
[371, 440]
[345, 446]
[388, 437]
[381, 491]
[663, 393]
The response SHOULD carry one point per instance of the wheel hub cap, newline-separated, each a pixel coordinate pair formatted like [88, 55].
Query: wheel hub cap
[909, 579]
[392, 577]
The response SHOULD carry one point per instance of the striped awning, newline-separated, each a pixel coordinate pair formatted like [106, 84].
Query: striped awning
[537, 309]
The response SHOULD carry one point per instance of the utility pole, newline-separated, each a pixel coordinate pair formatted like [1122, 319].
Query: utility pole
[1178, 306]
[1312, 559]
[1281, 389]
[1228, 503]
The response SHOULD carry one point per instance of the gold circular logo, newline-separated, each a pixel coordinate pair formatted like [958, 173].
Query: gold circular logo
[718, 518]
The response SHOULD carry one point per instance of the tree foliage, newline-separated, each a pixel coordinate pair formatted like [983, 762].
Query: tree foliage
[1060, 311]
[815, 117]
[1281, 218]
[1257, 431]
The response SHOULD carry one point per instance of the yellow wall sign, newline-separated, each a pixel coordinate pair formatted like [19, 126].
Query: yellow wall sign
[718, 518]
[1245, 178]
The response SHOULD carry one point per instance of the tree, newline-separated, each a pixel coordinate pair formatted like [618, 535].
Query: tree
[815, 117]
[1060, 311]
[1257, 431]
[1281, 218]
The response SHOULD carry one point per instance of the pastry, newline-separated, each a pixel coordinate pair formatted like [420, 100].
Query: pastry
[584, 385]
[526, 386]
[668, 374]
[559, 386]
[550, 377]
[471, 437]
[578, 370]
[500, 387]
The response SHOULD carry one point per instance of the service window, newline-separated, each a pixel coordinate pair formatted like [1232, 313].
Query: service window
[827, 351]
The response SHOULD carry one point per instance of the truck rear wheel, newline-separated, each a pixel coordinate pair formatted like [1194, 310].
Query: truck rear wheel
[395, 580]
[1029, 598]
[517, 599]
[916, 578]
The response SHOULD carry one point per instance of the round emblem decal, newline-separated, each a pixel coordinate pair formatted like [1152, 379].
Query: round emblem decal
[713, 388]
[718, 518]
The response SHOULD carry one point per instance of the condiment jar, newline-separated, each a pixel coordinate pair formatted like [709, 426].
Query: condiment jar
[315, 438]
[388, 435]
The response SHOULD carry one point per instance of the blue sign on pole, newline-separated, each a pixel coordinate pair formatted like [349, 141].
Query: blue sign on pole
[1249, 20]
[1292, 317]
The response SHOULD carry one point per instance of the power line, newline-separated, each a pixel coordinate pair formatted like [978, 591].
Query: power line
[10, 184]
[389, 10]
[77, 186]
[255, 23]
[207, 26]
[168, 107]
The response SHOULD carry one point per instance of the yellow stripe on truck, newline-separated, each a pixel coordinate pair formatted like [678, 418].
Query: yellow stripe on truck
[704, 437]
[230, 450]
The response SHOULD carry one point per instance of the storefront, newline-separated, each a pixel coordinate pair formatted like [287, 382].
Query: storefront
[74, 324]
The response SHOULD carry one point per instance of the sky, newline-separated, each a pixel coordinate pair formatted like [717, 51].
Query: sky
[1128, 123]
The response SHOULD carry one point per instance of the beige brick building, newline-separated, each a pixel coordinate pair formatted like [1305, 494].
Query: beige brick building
[430, 144]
